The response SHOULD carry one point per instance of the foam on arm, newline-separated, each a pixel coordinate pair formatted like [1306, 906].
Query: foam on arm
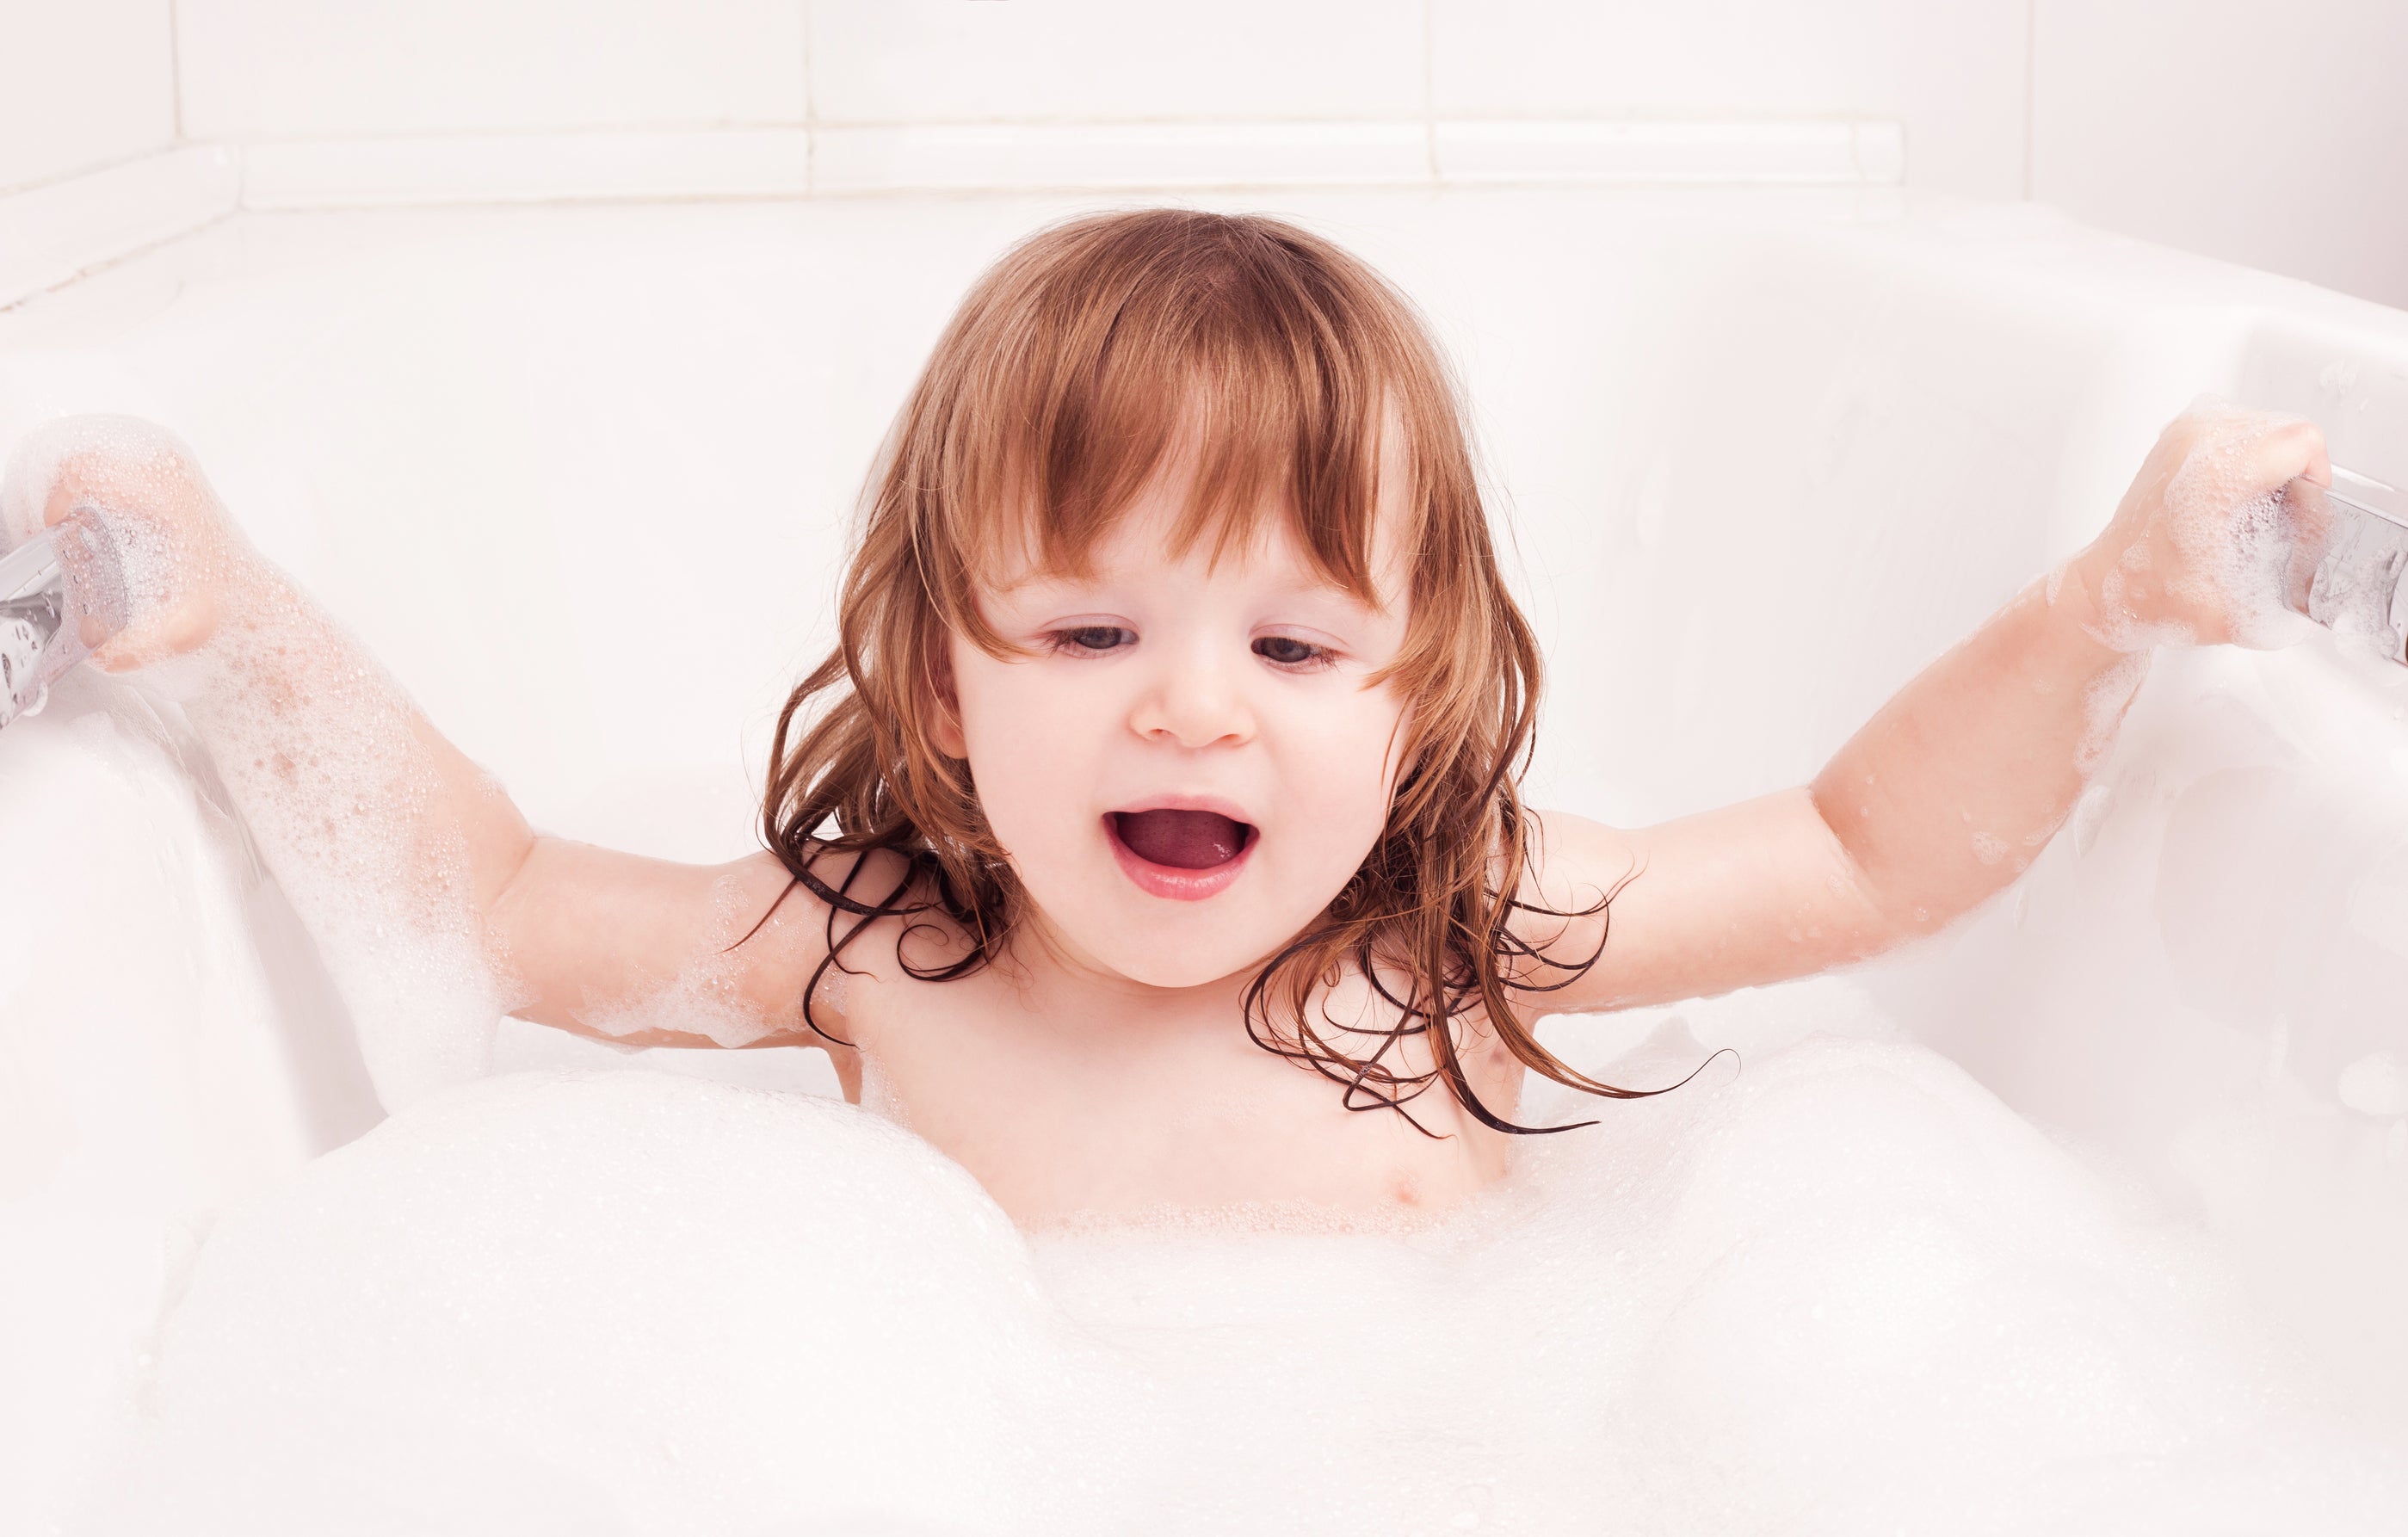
[435, 907]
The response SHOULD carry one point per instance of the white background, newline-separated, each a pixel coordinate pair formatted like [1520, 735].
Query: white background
[2271, 134]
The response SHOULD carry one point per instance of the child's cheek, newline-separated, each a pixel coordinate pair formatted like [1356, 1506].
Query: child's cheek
[1336, 771]
[1027, 751]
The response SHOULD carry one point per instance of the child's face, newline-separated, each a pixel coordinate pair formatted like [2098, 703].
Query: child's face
[1232, 693]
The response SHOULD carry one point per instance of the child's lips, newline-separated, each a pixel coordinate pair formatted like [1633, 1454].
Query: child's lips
[1190, 851]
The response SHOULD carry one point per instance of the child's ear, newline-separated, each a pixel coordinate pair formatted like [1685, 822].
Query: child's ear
[945, 730]
[944, 710]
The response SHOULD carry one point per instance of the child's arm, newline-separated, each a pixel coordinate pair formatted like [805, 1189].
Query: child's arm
[1953, 788]
[421, 881]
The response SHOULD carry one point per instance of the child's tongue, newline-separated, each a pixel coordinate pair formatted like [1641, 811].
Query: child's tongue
[1181, 840]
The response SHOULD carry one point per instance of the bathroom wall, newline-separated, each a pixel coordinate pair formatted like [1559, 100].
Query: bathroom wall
[90, 83]
[2268, 133]
[285, 70]
[1953, 73]
[298, 70]
[2272, 135]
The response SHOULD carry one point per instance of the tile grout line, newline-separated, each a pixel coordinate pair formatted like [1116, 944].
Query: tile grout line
[106, 263]
[683, 178]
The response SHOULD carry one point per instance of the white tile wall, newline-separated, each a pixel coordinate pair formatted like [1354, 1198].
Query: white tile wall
[1522, 58]
[260, 70]
[53, 233]
[857, 158]
[301, 68]
[899, 61]
[1951, 71]
[88, 82]
[527, 168]
[1961, 92]
[2274, 136]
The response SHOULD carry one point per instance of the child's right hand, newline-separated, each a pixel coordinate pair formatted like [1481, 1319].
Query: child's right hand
[180, 555]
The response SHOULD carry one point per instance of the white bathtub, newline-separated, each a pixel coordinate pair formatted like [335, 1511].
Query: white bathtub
[578, 475]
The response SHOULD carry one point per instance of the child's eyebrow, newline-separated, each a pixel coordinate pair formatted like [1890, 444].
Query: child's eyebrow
[1296, 578]
[1041, 583]
[1328, 593]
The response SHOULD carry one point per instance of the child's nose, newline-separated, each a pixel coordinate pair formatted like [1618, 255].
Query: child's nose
[1194, 703]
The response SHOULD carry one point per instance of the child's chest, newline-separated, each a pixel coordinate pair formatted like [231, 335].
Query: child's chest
[1060, 1115]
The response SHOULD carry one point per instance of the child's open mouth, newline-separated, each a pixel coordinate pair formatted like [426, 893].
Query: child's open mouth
[1181, 852]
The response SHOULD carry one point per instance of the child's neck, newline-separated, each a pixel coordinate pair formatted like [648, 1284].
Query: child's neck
[1051, 975]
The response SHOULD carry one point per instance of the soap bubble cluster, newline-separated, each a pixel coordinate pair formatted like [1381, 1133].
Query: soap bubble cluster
[622, 1302]
[1840, 1290]
[2244, 544]
[706, 998]
[2245, 553]
[105, 475]
[319, 749]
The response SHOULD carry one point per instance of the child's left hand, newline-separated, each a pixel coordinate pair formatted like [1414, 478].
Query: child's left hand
[2209, 546]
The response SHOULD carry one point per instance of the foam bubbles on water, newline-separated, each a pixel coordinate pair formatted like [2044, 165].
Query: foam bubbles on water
[319, 749]
[623, 1302]
[1841, 1290]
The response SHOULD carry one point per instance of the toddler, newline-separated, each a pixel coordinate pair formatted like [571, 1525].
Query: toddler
[1151, 838]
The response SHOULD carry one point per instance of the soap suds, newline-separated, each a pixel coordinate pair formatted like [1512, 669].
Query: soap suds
[2103, 703]
[707, 998]
[1841, 1289]
[314, 744]
[2241, 551]
[2242, 545]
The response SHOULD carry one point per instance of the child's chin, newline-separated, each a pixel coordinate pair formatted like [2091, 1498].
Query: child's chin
[1187, 961]
[1157, 971]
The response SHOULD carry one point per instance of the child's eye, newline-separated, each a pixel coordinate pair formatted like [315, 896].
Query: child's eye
[1288, 652]
[1092, 640]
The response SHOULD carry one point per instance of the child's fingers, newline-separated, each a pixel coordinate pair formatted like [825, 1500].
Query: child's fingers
[66, 494]
[114, 481]
[82, 480]
[144, 486]
[2290, 449]
[179, 625]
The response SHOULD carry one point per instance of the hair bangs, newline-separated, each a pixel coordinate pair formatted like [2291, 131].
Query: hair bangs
[1235, 369]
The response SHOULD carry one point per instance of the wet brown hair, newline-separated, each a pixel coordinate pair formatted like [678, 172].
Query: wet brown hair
[1086, 358]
